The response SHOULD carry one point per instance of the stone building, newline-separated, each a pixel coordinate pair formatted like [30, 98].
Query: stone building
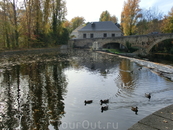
[75, 33]
[98, 30]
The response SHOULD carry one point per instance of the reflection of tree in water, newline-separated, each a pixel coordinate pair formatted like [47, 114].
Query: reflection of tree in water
[126, 74]
[33, 95]
[8, 111]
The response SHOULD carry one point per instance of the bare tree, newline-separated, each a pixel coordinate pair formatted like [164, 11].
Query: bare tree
[150, 21]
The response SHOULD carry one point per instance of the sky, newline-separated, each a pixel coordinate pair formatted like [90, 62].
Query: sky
[92, 9]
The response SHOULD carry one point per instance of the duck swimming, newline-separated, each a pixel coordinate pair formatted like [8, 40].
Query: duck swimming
[148, 95]
[88, 101]
[104, 108]
[104, 101]
[135, 109]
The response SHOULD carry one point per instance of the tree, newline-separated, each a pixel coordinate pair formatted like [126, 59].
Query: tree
[129, 16]
[105, 16]
[149, 22]
[32, 23]
[46, 15]
[67, 25]
[16, 34]
[142, 27]
[114, 19]
[26, 22]
[58, 16]
[167, 24]
[5, 25]
[65, 36]
[76, 22]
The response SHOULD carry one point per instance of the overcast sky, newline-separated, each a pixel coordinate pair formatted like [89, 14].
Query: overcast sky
[92, 9]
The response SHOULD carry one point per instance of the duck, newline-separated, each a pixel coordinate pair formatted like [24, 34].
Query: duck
[88, 101]
[104, 101]
[104, 108]
[148, 95]
[135, 109]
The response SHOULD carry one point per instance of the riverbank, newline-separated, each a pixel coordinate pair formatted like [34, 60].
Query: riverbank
[158, 68]
[159, 120]
[33, 50]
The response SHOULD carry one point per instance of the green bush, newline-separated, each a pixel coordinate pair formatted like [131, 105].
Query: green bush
[130, 49]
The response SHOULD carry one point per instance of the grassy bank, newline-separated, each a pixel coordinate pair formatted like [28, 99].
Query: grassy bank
[116, 51]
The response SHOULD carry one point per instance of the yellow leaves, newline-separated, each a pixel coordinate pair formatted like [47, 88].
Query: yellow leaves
[66, 24]
[114, 19]
[129, 16]
[76, 22]
[105, 16]
[167, 24]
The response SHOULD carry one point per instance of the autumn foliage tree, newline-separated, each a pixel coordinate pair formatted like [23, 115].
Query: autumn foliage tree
[114, 19]
[32, 23]
[76, 22]
[106, 16]
[129, 16]
[167, 24]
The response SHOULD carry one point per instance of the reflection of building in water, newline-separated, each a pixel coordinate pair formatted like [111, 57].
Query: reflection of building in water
[97, 62]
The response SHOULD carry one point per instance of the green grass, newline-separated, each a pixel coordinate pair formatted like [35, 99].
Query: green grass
[116, 51]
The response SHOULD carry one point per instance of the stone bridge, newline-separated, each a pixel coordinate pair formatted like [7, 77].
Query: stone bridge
[144, 43]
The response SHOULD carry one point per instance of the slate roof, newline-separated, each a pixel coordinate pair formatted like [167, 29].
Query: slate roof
[100, 26]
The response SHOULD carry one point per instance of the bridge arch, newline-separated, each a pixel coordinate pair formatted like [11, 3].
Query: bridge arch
[157, 42]
[114, 45]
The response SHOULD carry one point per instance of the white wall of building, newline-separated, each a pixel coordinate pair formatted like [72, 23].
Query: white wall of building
[98, 34]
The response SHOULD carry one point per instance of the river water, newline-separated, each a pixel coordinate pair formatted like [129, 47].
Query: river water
[47, 91]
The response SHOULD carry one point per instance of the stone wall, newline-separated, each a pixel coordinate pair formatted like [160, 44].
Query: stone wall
[80, 43]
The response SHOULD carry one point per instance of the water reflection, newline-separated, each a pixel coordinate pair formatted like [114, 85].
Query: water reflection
[162, 58]
[48, 91]
[126, 74]
[32, 95]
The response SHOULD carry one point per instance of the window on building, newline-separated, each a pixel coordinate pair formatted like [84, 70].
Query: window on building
[84, 35]
[91, 35]
[113, 34]
[105, 35]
